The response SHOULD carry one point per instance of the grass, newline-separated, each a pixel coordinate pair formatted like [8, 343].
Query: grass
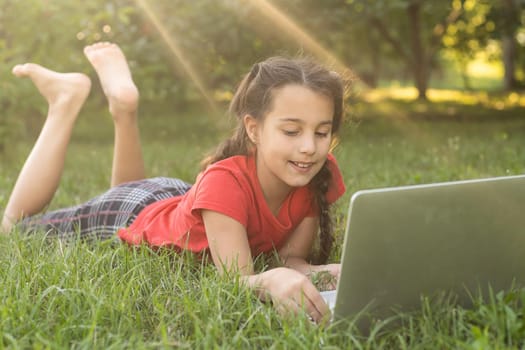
[106, 295]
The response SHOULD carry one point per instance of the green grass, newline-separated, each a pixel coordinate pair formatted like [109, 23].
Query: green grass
[106, 295]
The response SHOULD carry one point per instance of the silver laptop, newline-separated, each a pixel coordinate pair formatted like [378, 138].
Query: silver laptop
[462, 238]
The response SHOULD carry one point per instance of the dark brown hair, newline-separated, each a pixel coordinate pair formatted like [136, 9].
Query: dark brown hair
[254, 96]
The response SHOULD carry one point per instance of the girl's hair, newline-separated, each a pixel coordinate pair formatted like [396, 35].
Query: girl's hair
[255, 95]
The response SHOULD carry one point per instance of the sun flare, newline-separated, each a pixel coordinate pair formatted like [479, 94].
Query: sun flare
[175, 49]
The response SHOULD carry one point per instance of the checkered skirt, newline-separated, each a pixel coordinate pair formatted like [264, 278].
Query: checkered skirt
[103, 215]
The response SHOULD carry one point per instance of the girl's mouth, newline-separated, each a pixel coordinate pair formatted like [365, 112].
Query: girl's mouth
[302, 165]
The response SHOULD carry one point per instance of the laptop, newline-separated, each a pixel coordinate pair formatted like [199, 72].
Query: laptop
[464, 239]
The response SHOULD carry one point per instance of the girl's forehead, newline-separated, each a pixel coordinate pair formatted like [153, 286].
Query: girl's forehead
[300, 102]
[298, 93]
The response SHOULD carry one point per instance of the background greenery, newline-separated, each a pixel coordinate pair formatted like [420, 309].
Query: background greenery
[423, 43]
[469, 123]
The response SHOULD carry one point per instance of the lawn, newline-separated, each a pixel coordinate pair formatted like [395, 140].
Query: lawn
[105, 295]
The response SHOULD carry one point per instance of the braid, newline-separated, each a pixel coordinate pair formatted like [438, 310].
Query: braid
[320, 187]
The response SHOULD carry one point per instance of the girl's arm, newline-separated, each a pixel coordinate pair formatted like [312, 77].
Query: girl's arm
[228, 243]
[299, 246]
[289, 290]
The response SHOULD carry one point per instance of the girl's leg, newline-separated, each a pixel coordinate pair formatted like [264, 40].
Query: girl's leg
[122, 94]
[39, 178]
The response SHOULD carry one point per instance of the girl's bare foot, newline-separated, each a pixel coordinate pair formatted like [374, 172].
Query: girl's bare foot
[66, 91]
[115, 77]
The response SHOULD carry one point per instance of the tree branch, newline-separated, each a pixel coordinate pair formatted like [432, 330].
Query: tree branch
[441, 28]
[396, 44]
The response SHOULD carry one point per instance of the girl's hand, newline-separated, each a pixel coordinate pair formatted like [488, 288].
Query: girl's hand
[291, 292]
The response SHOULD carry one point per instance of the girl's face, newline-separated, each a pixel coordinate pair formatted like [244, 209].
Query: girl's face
[292, 140]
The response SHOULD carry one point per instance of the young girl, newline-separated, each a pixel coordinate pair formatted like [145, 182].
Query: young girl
[266, 189]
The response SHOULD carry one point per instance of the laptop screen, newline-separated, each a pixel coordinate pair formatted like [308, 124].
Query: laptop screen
[405, 242]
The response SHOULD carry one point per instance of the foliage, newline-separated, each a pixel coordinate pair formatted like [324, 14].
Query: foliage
[221, 39]
[403, 39]
[468, 36]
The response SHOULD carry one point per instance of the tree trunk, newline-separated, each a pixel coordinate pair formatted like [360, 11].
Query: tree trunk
[420, 65]
[509, 54]
[508, 44]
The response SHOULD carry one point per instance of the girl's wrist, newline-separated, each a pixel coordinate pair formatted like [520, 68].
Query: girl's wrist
[255, 283]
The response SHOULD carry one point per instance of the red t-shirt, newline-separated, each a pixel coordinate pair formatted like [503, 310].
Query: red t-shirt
[229, 187]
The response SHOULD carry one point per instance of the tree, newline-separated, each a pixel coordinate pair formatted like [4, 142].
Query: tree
[507, 14]
[379, 36]
[469, 36]
[413, 28]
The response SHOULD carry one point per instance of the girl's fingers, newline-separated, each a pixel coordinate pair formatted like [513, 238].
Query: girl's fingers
[297, 296]
[293, 307]
[311, 301]
[306, 301]
[316, 306]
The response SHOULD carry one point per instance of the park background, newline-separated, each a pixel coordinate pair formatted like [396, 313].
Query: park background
[436, 94]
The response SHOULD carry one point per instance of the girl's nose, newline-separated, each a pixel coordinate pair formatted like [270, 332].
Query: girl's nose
[307, 144]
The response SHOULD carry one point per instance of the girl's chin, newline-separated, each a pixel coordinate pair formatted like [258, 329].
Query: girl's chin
[295, 181]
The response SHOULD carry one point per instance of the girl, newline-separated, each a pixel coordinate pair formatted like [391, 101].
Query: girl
[266, 189]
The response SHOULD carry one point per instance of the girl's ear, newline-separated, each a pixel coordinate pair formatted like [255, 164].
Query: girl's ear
[250, 125]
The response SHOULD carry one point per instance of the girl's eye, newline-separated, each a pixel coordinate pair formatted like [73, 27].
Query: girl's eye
[322, 134]
[290, 132]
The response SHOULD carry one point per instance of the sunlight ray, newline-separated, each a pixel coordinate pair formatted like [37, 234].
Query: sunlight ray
[291, 28]
[294, 30]
[176, 50]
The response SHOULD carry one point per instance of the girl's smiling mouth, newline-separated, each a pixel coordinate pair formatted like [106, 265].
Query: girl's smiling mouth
[302, 166]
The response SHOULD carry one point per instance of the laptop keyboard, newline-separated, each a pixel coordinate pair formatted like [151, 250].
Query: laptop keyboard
[329, 298]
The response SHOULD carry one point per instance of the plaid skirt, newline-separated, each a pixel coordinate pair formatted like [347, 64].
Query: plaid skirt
[103, 215]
